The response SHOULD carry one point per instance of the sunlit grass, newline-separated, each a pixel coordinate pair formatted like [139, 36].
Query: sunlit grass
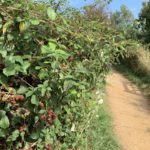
[100, 134]
[140, 79]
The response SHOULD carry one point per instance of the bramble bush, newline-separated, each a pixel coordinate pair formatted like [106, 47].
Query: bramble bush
[49, 64]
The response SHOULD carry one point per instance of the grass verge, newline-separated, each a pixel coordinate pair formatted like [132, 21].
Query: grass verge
[100, 134]
[142, 80]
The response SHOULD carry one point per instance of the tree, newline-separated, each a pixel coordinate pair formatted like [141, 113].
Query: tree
[57, 5]
[96, 11]
[122, 19]
[144, 18]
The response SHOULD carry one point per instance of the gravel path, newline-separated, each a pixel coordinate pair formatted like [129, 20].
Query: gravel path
[131, 113]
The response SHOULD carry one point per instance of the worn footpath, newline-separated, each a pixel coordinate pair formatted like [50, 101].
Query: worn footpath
[131, 113]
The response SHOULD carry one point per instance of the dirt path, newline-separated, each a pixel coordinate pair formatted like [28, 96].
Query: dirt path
[131, 113]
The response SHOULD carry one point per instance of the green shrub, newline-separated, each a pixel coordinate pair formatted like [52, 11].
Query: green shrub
[48, 65]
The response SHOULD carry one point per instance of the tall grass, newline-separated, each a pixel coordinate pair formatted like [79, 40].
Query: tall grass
[143, 55]
[99, 132]
[137, 67]
[100, 135]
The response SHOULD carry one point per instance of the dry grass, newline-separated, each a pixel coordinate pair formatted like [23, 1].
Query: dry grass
[143, 56]
[138, 60]
[137, 68]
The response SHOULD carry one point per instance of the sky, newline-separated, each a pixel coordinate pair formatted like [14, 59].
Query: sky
[134, 5]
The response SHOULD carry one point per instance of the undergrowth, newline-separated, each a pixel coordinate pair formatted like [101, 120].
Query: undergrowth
[140, 79]
[100, 135]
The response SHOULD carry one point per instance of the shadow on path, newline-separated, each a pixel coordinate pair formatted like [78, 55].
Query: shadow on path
[131, 113]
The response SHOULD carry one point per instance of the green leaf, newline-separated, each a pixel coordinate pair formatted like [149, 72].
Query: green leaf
[34, 100]
[11, 69]
[3, 79]
[10, 37]
[52, 45]
[81, 69]
[55, 64]
[36, 119]
[34, 136]
[7, 25]
[49, 49]
[34, 21]
[42, 111]
[3, 53]
[17, 59]
[14, 136]
[22, 134]
[22, 90]
[43, 91]
[4, 122]
[51, 14]
[69, 84]
[2, 113]
[25, 66]
[62, 53]
[2, 133]
[29, 93]
[43, 74]
[45, 49]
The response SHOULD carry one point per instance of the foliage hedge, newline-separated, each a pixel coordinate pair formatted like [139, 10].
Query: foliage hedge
[49, 64]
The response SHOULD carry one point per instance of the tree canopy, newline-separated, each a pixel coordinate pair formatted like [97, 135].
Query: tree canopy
[144, 18]
[123, 18]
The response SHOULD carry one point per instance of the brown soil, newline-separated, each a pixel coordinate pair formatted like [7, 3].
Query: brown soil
[130, 111]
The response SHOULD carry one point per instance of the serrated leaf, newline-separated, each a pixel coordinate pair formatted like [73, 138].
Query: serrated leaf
[34, 100]
[44, 49]
[42, 111]
[52, 45]
[34, 136]
[11, 69]
[2, 133]
[55, 64]
[14, 136]
[4, 121]
[51, 14]
[43, 91]
[25, 66]
[3, 53]
[49, 49]
[2, 113]
[17, 59]
[22, 90]
[34, 21]
[62, 53]
[29, 93]
[69, 84]
[43, 74]
[3, 79]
